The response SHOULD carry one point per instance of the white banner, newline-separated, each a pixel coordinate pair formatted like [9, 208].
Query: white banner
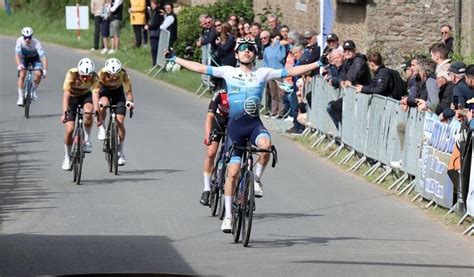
[77, 17]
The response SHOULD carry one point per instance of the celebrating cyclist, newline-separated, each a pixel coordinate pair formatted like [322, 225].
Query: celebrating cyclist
[245, 85]
[216, 121]
[114, 83]
[29, 52]
[81, 87]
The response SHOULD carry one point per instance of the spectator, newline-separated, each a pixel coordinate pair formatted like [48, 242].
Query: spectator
[428, 96]
[255, 31]
[218, 26]
[446, 88]
[446, 37]
[470, 76]
[208, 33]
[170, 23]
[381, 83]
[462, 91]
[332, 43]
[439, 54]
[105, 26]
[225, 43]
[302, 114]
[241, 30]
[284, 30]
[247, 31]
[156, 18]
[310, 37]
[273, 24]
[233, 22]
[355, 68]
[116, 11]
[138, 18]
[265, 42]
[274, 57]
[97, 7]
[336, 59]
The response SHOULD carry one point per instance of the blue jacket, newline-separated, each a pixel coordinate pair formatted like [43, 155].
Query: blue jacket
[274, 56]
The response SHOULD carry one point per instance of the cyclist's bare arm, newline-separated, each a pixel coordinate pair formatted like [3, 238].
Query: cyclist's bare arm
[191, 65]
[17, 60]
[127, 86]
[66, 96]
[300, 69]
[45, 62]
[207, 127]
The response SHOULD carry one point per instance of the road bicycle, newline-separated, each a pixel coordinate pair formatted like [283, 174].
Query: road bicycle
[27, 90]
[112, 140]
[243, 205]
[76, 157]
[216, 197]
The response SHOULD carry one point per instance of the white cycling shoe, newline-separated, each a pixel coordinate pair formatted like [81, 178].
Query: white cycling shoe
[66, 166]
[88, 147]
[258, 188]
[20, 101]
[121, 160]
[226, 226]
[34, 96]
[102, 133]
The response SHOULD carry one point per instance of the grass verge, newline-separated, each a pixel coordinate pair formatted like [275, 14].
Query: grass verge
[54, 31]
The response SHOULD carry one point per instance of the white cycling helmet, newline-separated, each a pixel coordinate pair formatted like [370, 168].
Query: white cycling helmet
[27, 31]
[249, 41]
[85, 66]
[113, 66]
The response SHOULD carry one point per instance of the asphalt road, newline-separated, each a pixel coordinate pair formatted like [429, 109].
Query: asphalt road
[315, 220]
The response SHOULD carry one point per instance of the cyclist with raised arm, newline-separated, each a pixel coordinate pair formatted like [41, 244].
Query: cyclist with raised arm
[245, 86]
[81, 87]
[216, 121]
[114, 83]
[29, 52]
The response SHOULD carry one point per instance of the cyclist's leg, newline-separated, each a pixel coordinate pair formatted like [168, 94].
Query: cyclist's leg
[69, 129]
[38, 66]
[88, 118]
[262, 139]
[118, 99]
[103, 101]
[21, 82]
[211, 151]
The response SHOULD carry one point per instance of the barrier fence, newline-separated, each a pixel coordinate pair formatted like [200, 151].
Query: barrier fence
[163, 44]
[373, 128]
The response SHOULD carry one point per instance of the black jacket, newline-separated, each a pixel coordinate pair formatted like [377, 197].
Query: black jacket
[226, 52]
[356, 70]
[380, 84]
[445, 97]
[118, 13]
[156, 18]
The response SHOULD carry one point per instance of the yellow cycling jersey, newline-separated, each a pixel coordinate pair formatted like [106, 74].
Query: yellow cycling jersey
[115, 81]
[78, 85]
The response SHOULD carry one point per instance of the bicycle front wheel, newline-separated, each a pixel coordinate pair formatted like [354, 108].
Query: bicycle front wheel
[236, 215]
[27, 100]
[79, 155]
[248, 205]
[114, 146]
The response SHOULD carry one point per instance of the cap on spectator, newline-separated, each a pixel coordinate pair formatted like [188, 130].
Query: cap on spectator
[470, 70]
[348, 45]
[457, 68]
[309, 34]
[405, 65]
[332, 37]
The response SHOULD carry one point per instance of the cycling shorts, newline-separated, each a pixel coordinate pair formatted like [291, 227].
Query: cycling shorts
[243, 129]
[116, 97]
[219, 124]
[74, 102]
[34, 62]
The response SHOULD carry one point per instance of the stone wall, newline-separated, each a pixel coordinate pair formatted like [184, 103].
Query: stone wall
[467, 29]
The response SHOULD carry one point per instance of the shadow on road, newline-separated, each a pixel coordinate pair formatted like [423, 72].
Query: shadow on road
[146, 171]
[29, 254]
[114, 180]
[385, 264]
[258, 216]
[20, 172]
[289, 241]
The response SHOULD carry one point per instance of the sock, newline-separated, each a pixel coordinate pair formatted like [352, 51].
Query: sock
[259, 169]
[207, 181]
[20, 92]
[120, 148]
[34, 87]
[67, 150]
[228, 206]
[87, 134]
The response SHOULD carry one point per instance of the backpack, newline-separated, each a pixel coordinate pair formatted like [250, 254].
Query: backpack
[398, 86]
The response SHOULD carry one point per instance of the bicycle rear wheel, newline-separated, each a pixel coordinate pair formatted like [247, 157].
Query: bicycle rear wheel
[114, 146]
[247, 208]
[221, 184]
[27, 99]
[236, 214]
[214, 198]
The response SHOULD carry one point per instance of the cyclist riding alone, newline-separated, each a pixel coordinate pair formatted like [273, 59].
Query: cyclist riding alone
[114, 83]
[216, 121]
[29, 52]
[81, 87]
[245, 86]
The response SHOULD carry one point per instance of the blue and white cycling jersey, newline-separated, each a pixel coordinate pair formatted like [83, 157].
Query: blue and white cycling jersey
[245, 90]
[29, 51]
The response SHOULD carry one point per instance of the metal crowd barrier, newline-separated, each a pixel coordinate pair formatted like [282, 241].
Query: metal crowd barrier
[205, 79]
[163, 43]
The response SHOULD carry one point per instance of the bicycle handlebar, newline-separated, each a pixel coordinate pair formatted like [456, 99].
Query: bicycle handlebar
[253, 150]
[114, 107]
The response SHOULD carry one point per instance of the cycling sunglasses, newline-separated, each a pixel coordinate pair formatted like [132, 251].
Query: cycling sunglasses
[471, 106]
[244, 47]
[27, 37]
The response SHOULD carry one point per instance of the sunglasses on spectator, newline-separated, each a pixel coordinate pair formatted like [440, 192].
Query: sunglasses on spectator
[217, 25]
[244, 47]
[27, 37]
[264, 37]
[444, 33]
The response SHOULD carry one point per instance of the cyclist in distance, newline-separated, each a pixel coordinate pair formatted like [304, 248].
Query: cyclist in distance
[81, 87]
[216, 120]
[245, 86]
[29, 52]
[114, 83]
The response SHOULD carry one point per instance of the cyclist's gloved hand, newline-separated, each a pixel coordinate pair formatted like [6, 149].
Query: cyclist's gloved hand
[130, 105]
[170, 55]
[207, 142]
[20, 67]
